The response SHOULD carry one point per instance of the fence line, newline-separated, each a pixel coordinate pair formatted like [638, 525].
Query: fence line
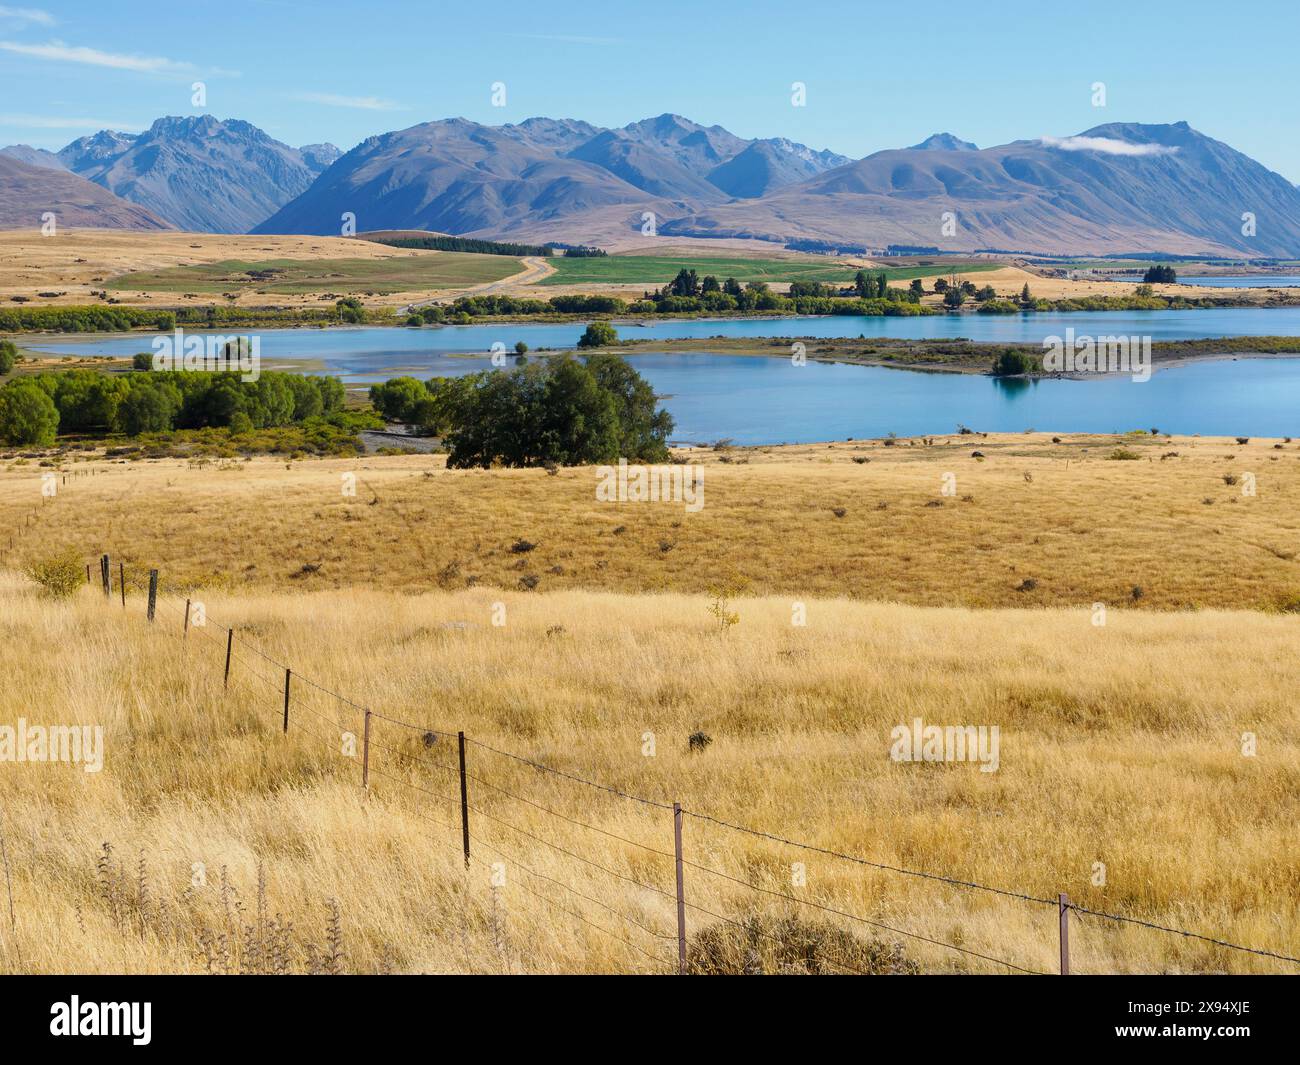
[750, 926]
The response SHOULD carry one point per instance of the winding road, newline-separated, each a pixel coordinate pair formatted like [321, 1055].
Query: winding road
[535, 268]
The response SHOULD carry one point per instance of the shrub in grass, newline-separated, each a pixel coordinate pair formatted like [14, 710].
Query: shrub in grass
[59, 575]
[790, 946]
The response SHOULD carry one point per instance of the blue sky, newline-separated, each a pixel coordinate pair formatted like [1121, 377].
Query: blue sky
[877, 75]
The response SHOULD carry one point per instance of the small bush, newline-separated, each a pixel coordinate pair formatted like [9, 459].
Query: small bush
[789, 946]
[59, 575]
[1123, 454]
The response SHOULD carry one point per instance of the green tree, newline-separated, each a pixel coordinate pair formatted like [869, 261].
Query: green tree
[332, 393]
[598, 335]
[150, 407]
[307, 402]
[686, 283]
[1160, 275]
[560, 411]
[917, 288]
[643, 430]
[28, 415]
[445, 398]
[398, 398]
[274, 401]
[8, 356]
[86, 400]
[1013, 362]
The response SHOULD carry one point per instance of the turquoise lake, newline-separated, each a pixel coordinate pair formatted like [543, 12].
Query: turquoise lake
[762, 400]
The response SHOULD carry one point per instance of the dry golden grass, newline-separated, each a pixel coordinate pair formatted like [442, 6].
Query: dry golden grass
[77, 262]
[1119, 744]
[1080, 526]
[1010, 281]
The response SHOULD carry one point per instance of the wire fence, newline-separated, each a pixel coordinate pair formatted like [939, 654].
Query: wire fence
[452, 783]
[52, 481]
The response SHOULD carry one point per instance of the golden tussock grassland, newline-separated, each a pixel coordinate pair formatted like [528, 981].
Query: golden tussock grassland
[1032, 523]
[238, 848]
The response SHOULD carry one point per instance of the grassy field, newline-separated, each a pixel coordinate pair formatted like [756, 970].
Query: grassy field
[1031, 524]
[72, 267]
[1121, 743]
[660, 269]
[409, 273]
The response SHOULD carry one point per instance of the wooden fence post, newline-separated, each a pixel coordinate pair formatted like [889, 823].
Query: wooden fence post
[121, 581]
[681, 893]
[365, 755]
[1063, 905]
[230, 641]
[185, 633]
[153, 592]
[464, 799]
[287, 674]
[104, 575]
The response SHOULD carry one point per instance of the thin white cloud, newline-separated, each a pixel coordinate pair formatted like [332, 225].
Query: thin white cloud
[61, 52]
[363, 103]
[45, 122]
[26, 14]
[1106, 146]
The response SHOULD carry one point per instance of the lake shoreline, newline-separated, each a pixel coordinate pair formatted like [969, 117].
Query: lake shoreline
[975, 363]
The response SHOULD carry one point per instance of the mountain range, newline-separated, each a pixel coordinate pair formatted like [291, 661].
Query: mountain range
[200, 173]
[575, 181]
[1119, 187]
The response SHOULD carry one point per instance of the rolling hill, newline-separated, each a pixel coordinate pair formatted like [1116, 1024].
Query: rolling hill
[27, 192]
